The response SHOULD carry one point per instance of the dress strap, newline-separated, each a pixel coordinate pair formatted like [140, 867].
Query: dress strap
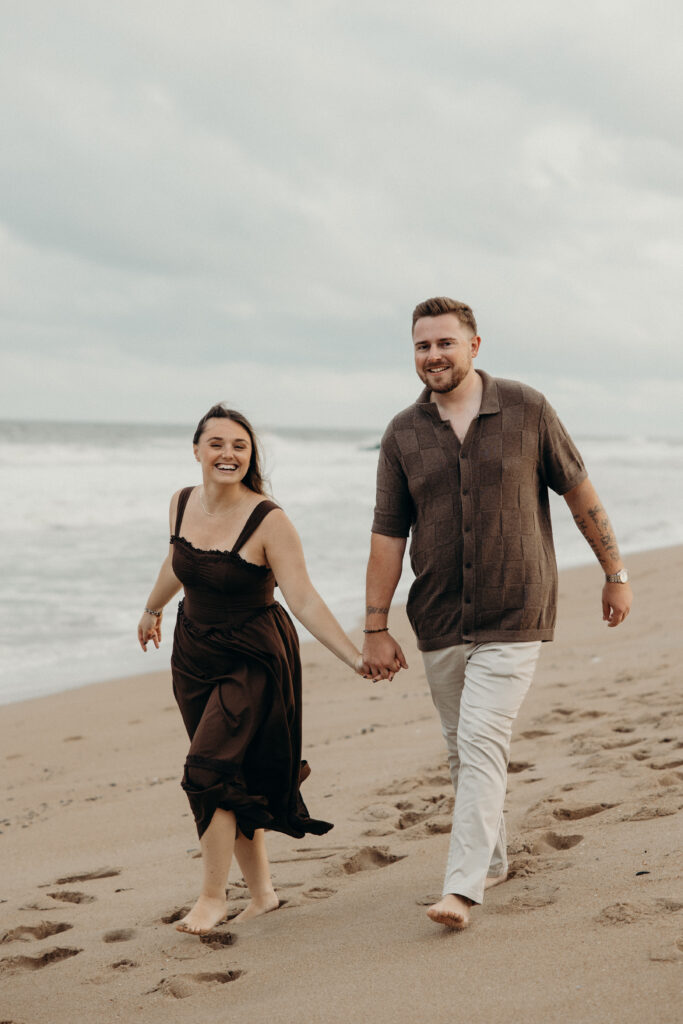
[182, 502]
[252, 523]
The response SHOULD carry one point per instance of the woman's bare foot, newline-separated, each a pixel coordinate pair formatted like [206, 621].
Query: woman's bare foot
[256, 907]
[452, 911]
[205, 915]
[492, 880]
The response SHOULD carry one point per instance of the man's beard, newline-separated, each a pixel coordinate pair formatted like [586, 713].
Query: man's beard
[450, 383]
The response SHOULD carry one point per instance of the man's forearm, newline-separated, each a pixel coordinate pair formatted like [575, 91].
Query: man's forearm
[384, 572]
[593, 522]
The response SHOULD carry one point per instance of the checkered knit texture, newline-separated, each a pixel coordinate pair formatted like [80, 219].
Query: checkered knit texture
[481, 545]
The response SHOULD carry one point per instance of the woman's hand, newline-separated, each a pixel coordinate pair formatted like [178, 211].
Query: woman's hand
[363, 669]
[359, 666]
[149, 628]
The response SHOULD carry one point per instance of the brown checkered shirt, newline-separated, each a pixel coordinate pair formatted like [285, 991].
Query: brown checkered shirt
[482, 545]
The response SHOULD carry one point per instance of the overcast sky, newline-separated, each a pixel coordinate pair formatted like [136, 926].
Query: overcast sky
[243, 201]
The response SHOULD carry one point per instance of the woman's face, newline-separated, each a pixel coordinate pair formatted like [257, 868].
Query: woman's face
[223, 451]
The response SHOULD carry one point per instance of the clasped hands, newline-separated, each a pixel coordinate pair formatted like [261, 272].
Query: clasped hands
[382, 657]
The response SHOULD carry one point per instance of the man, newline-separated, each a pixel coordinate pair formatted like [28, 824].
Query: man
[466, 470]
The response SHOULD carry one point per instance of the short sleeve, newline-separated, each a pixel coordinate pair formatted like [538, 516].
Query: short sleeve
[394, 512]
[562, 464]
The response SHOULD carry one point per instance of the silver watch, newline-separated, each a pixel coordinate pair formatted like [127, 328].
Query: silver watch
[617, 577]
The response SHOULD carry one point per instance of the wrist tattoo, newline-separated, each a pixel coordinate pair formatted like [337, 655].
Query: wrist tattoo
[371, 610]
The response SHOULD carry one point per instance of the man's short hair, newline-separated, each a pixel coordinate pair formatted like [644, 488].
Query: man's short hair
[442, 304]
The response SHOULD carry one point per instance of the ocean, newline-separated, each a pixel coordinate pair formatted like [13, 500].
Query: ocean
[85, 529]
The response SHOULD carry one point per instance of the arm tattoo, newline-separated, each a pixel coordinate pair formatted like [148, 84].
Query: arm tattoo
[371, 610]
[607, 550]
[607, 538]
[583, 526]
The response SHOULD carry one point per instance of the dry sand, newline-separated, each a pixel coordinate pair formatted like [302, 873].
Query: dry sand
[100, 853]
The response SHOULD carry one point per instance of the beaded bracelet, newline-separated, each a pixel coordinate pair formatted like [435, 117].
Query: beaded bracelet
[384, 629]
[155, 614]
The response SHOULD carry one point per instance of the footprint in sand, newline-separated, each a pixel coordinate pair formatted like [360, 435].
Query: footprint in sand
[668, 952]
[628, 913]
[399, 786]
[14, 964]
[415, 811]
[318, 892]
[375, 812]
[426, 901]
[661, 765]
[436, 780]
[174, 915]
[574, 813]
[535, 734]
[543, 814]
[409, 818]
[119, 935]
[88, 876]
[554, 841]
[124, 965]
[309, 853]
[66, 896]
[531, 898]
[621, 744]
[514, 767]
[649, 811]
[44, 930]
[368, 858]
[184, 985]
[217, 939]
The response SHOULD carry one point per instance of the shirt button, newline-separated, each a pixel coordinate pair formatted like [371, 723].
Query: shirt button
[466, 529]
[463, 455]
[465, 493]
[468, 565]
[468, 601]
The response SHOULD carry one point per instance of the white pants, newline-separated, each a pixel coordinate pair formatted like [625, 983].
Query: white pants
[478, 690]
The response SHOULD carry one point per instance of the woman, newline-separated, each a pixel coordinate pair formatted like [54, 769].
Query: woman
[235, 662]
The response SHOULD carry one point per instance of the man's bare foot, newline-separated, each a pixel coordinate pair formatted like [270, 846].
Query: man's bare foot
[492, 880]
[205, 915]
[256, 907]
[452, 911]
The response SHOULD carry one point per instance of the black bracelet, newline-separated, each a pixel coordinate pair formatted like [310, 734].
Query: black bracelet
[384, 629]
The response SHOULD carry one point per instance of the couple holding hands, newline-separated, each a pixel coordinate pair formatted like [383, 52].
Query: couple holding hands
[465, 472]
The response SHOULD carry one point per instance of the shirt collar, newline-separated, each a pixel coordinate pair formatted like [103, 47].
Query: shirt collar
[489, 398]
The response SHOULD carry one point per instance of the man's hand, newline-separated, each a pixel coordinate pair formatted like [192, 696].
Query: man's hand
[616, 602]
[382, 656]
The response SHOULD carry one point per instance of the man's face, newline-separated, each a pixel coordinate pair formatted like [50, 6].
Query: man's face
[444, 350]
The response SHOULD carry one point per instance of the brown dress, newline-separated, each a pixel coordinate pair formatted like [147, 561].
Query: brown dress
[237, 681]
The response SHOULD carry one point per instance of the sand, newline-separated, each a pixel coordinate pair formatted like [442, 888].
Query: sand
[100, 855]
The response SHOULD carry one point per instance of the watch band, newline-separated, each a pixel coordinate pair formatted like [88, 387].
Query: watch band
[617, 577]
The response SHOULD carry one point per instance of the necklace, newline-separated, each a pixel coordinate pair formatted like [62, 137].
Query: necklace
[229, 511]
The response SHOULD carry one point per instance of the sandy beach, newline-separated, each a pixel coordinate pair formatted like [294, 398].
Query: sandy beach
[100, 854]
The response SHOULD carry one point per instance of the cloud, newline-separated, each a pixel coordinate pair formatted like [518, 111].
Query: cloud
[279, 184]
